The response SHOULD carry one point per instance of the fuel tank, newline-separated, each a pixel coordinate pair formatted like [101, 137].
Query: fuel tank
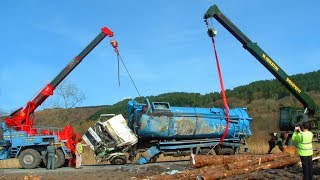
[160, 121]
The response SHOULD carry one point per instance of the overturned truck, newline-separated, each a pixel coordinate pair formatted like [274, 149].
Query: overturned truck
[157, 128]
[180, 131]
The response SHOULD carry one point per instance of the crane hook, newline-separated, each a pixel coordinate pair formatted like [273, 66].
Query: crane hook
[212, 32]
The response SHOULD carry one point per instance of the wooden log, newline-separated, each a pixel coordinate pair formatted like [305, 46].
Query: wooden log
[256, 160]
[279, 163]
[249, 160]
[203, 160]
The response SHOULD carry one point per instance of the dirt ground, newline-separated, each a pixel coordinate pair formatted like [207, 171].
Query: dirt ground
[134, 171]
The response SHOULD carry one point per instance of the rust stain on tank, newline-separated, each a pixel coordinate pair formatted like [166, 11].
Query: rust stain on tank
[185, 127]
[142, 124]
[162, 124]
[204, 128]
[157, 123]
[221, 128]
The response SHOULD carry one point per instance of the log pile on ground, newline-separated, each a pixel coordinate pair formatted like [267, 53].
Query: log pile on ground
[218, 167]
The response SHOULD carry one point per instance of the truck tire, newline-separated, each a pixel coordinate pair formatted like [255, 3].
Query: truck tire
[29, 158]
[119, 160]
[225, 151]
[60, 160]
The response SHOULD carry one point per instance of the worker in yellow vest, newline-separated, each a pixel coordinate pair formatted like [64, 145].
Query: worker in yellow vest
[79, 150]
[304, 139]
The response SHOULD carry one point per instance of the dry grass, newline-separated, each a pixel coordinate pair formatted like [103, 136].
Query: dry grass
[9, 163]
[31, 177]
[88, 156]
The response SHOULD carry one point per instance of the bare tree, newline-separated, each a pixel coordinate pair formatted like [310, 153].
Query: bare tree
[67, 96]
[70, 94]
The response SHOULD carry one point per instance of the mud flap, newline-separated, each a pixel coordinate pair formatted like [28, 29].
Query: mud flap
[146, 156]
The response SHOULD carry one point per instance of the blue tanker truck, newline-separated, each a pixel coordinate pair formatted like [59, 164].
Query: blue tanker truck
[180, 131]
[157, 128]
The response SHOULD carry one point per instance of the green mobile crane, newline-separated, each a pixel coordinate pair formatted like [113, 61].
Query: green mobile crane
[290, 117]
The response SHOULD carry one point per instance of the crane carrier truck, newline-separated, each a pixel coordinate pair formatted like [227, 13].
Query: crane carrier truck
[21, 139]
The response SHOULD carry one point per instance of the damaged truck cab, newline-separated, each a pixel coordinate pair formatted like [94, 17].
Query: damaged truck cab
[180, 131]
[110, 139]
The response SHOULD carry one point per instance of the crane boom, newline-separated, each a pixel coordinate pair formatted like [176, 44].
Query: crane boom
[22, 119]
[263, 58]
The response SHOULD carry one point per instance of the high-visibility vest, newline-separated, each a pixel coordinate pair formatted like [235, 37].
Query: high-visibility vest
[304, 140]
[79, 148]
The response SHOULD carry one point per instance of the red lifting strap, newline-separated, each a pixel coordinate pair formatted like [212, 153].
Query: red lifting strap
[223, 93]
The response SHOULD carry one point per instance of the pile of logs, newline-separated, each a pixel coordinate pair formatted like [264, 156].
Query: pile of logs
[218, 167]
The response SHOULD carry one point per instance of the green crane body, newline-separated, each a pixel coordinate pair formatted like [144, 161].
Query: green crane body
[291, 115]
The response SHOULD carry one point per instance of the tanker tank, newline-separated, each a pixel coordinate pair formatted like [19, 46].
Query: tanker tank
[160, 121]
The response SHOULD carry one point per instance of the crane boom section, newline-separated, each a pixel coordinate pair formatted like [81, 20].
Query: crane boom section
[22, 118]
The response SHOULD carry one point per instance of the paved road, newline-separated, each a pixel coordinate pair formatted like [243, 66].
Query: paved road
[97, 171]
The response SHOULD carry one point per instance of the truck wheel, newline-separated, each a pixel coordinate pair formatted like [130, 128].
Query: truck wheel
[119, 160]
[29, 158]
[60, 160]
[225, 151]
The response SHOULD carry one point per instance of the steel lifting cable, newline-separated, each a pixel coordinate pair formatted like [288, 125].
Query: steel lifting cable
[114, 44]
[223, 93]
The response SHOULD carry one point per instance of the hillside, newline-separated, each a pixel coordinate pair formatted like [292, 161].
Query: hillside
[57, 117]
[262, 98]
[239, 96]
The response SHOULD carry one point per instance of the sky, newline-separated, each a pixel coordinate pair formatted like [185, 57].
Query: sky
[164, 45]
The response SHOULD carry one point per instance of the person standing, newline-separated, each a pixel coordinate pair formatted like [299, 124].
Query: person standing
[304, 139]
[51, 153]
[79, 150]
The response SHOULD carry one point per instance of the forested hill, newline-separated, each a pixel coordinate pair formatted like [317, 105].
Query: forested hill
[264, 89]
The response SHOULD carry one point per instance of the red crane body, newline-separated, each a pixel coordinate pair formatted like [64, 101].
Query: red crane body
[22, 119]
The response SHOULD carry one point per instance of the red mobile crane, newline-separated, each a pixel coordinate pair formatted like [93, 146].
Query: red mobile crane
[22, 120]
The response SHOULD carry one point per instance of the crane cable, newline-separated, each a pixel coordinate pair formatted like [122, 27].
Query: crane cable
[114, 44]
[223, 93]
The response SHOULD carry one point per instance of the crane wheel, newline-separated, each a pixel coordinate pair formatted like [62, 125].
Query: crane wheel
[29, 158]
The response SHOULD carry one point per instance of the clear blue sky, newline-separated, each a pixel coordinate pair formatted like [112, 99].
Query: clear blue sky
[164, 44]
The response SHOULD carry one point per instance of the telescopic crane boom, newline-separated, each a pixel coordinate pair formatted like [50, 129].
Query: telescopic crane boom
[263, 58]
[22, 119]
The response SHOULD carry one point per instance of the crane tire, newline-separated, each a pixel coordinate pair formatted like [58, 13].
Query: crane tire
[29, 159]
